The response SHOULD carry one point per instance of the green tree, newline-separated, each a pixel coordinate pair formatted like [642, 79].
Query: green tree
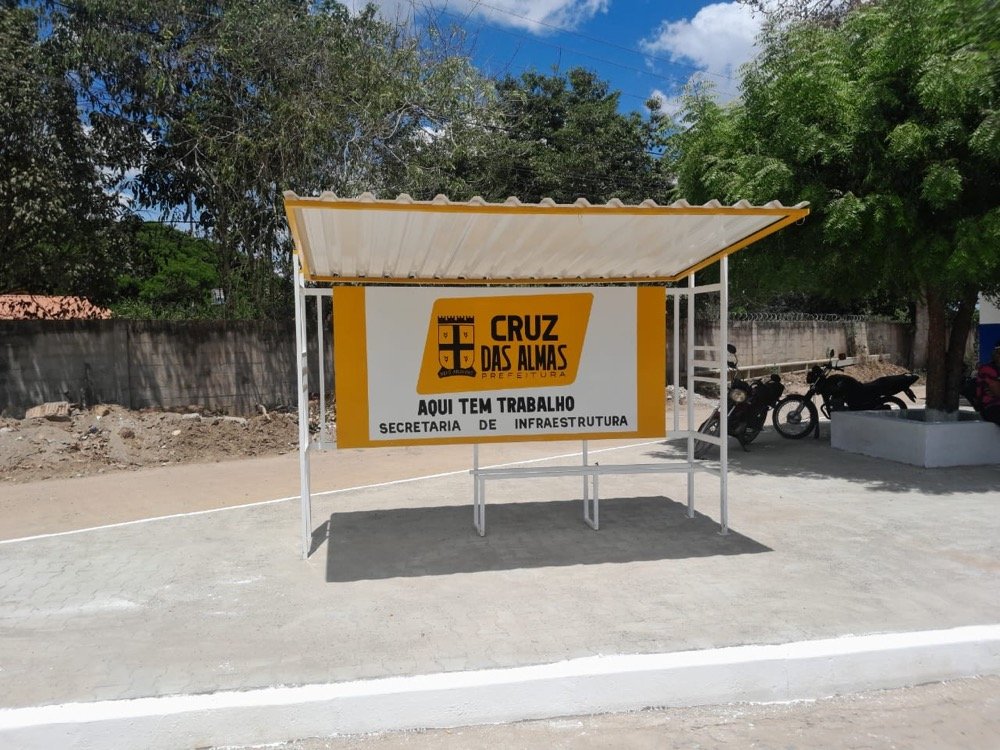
[828, 12]
[223, 106]
[559, 136]
[57, 234]
[170, 273]
[888, 123]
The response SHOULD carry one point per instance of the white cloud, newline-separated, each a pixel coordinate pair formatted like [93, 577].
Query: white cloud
[669, 105]
[718, 39]
[536, 16]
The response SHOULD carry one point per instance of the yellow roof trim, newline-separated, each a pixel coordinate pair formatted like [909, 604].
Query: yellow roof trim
[537, 209]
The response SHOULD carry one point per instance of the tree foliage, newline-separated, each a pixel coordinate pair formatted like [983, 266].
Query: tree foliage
[209, 110]
[168, 270]
[205, 112]
[887, 123]
[560, 136]
[825, 12]
[56, 229]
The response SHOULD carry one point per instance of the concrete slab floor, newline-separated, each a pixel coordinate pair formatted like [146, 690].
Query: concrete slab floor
[824, 544]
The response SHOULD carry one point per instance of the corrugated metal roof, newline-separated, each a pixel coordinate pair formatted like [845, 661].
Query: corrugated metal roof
[403, 240]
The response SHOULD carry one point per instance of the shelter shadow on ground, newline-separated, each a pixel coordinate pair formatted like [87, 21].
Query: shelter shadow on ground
[808, 458]
[432, 541]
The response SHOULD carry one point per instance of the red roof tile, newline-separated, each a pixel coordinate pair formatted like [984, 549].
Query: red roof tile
[40, 307]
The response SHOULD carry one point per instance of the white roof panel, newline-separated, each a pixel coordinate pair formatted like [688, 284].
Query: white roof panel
[403, 240]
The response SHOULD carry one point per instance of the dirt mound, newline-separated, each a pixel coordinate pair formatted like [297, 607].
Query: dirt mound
[795, 381]
[112, 438]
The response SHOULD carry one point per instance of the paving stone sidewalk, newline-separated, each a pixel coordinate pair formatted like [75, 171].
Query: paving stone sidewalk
[824, 544]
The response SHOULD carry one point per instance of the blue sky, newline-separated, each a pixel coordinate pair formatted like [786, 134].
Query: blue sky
[642, 47]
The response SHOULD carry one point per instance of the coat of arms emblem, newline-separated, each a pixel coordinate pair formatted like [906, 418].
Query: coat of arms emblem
[456, 346]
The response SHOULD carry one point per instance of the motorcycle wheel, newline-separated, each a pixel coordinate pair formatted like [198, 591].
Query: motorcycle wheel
[709, 427]
[794, 417]
[891, 402]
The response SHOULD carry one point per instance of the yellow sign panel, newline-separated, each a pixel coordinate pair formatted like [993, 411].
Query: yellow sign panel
[518, 341]
[433, 365]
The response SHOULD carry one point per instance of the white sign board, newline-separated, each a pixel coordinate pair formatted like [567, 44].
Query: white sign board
[461, 365]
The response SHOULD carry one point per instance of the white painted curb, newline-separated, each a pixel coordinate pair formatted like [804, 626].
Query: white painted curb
[807, 669]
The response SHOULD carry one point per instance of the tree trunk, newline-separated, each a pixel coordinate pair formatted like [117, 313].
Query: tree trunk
[918, 316]
[961, 324]
[936, 344]
[946, 351]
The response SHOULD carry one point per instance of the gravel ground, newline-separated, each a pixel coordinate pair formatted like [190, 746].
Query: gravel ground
[111, 438]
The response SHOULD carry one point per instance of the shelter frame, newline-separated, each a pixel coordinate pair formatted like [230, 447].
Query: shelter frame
[368, 241]
[710, 371]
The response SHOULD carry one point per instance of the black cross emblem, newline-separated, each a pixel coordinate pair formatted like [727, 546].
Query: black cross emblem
[456, 347]
[455, 338]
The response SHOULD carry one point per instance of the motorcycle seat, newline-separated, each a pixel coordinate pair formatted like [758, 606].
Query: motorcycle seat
[889, 385]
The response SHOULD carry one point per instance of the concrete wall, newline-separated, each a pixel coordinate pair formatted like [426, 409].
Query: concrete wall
[229, 366]
[788, 341]
[774, 342]
[233, 366]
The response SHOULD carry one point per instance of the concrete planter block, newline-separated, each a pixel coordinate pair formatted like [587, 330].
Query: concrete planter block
[916, 437]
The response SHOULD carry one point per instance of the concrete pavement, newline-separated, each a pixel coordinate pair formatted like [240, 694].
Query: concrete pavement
[824, 544]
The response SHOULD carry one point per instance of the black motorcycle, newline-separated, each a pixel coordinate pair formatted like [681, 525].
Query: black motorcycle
[840, 392]
[747, 405]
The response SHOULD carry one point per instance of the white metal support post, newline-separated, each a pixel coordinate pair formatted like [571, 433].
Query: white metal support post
[676, 354]
[718, 378]
[723, 396]
[690, 393]
[324, 437]
[302, 372]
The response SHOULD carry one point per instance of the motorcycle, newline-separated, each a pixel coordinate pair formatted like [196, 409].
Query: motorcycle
[747, 404]
[840, 392]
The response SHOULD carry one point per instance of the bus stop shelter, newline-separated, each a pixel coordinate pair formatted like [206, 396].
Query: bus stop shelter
[366, 242]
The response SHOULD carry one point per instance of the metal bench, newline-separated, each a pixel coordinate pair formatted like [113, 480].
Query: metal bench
[589, 472]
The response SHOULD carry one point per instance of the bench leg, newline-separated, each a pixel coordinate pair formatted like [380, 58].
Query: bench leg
[479, 507]
[478, 494]
[597, 506]
[591, 519]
